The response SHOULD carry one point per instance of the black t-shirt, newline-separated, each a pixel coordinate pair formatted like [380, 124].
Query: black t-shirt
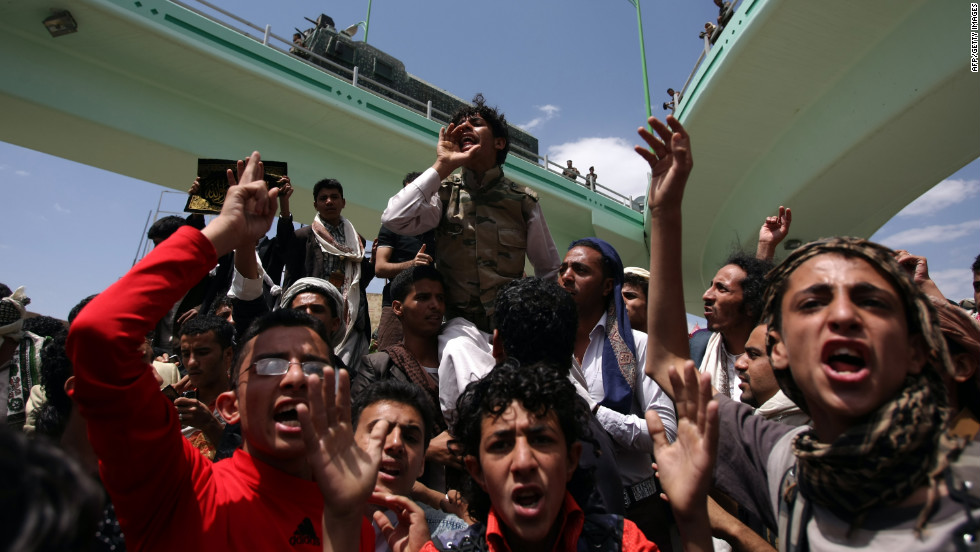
[404, 248]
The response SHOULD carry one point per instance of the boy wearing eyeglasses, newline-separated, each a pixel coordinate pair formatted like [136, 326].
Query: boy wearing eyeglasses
[166, 494]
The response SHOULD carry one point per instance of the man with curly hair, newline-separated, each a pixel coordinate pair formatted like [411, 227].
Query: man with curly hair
[732, 305]
[519, 430]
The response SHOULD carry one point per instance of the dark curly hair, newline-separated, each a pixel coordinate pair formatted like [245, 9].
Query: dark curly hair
[976, 266]
[537, 320]
[753, 285]
[52, 416]
[494, 118]
[44, 326]
[540, 390]
[78, 308]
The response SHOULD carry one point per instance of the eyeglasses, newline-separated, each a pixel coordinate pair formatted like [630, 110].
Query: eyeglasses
[279, 366]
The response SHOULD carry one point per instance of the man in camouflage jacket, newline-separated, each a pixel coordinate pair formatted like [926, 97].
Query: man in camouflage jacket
[485, 224]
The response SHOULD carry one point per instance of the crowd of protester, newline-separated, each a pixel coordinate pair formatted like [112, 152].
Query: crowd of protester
[222, 394]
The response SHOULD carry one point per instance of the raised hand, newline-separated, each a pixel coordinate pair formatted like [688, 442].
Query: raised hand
[412, 531]
[248, 209]
[917, 268]
[685, 466]
[345, 473]
[285, 192]
[421, 258]
[670, 161]
[774, 230]
[449, 156]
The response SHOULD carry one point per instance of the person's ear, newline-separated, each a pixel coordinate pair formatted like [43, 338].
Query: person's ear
[964, 366]
[916, 354]
[69, 384]
[499, 143]
[227, 405]
[229, 355]
[574, 453]
[498, 347]
[778, 358]
[607, 286]
[476, 471]
[396, 307]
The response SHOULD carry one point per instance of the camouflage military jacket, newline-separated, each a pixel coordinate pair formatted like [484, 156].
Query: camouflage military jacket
[481, 241]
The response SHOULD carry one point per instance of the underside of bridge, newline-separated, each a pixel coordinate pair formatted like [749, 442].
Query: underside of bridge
[846, 111]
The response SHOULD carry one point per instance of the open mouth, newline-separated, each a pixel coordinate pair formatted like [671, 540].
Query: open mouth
[845, 359]
[468, 141]
[391, 469]
[287, 416]
[845, 362]
[527, 500]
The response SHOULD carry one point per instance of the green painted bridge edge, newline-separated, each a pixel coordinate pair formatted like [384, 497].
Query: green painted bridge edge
[210, 34]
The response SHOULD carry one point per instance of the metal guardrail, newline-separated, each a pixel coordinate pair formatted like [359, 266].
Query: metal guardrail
[269, 39]
[709, 42]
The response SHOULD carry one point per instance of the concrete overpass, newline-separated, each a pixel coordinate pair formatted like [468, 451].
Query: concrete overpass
[844, 110]
[146, 88]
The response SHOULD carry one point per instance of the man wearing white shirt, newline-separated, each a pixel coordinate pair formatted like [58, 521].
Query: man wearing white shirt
[610, 357]
[485, 223]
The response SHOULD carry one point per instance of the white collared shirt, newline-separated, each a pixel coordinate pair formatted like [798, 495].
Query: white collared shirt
[628, 431]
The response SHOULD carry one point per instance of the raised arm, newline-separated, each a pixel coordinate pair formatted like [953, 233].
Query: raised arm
[248, 209]
[670, 161]
[416, 208]
[384, 268]
[449, 153]
[685, 466]
[345, 473]
[918, 269]
[774, 230]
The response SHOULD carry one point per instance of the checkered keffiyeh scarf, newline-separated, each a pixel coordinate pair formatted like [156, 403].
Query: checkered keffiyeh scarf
[23, 369]
[901, 446]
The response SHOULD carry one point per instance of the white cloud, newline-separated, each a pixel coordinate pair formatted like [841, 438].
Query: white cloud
[942, 195]
[618, 166]
[955, 283]
[22, 173]
[60, 209]
[548, 112]
[940, 233]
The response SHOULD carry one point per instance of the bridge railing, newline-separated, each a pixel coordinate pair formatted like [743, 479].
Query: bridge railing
[267, 38]
[709, 42]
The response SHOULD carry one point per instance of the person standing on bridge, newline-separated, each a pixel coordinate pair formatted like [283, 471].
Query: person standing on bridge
[485, 223]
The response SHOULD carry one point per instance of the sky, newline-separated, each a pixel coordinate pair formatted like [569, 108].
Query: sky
[568, 71]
